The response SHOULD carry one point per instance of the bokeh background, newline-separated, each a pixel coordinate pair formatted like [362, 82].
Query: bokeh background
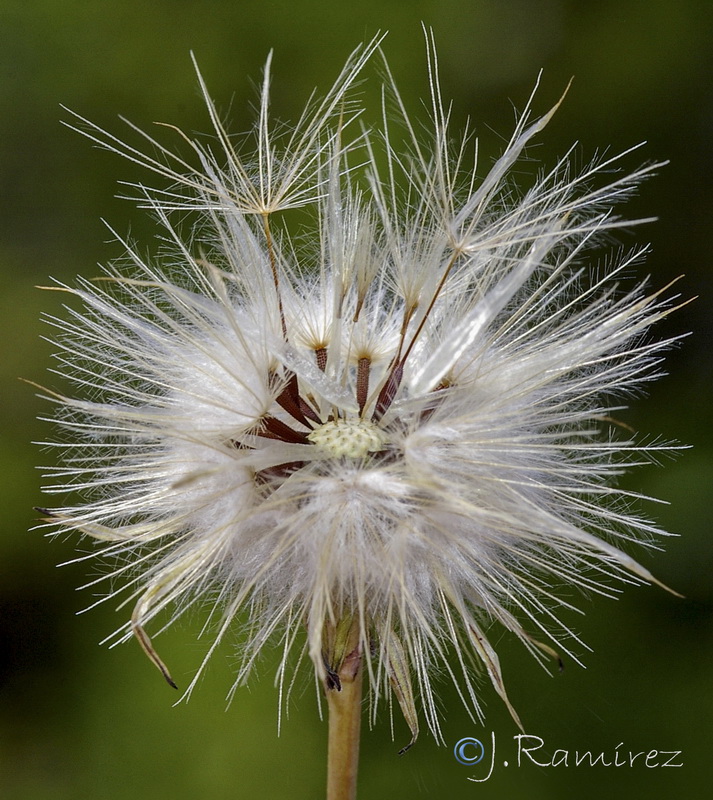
[80, 720]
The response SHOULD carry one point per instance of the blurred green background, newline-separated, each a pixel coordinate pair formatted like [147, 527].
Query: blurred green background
[79, 720]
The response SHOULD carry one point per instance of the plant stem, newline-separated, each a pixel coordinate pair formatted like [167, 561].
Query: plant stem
[344, 703]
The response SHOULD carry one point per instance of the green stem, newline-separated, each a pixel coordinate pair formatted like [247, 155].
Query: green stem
[344, 703]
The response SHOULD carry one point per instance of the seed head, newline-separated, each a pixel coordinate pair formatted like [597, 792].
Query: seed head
[399, 421]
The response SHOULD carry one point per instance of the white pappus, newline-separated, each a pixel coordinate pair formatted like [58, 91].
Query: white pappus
[397, 421]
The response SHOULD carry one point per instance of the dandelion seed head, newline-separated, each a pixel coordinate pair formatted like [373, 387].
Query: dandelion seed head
[407, 425]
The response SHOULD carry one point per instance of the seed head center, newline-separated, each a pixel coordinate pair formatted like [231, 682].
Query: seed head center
[353, 438]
